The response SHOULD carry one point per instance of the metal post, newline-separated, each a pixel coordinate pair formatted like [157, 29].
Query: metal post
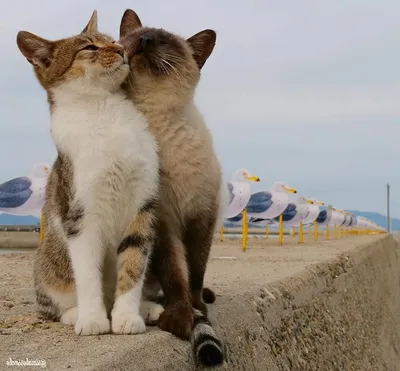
[244, 230]
[301, 234]
[388, 207]
[280, 230]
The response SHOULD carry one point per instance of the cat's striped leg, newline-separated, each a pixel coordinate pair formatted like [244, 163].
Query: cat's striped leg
[207, 347]
[133, 256]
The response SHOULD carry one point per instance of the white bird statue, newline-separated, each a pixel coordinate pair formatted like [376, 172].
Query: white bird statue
[25, 195]
[264, 206]
[313, 210]
[239, 192]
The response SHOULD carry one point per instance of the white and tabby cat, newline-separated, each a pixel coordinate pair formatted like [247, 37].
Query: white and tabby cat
[101, 195]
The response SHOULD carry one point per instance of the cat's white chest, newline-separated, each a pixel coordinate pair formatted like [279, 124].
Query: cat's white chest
[114, 157]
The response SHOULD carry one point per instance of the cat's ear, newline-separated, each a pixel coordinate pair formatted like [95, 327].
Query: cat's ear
[202, 45]
[130, 22]
[92, 24]
[36, 50]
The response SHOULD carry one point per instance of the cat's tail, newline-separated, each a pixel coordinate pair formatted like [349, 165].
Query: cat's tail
[208, 295]
[208, 349]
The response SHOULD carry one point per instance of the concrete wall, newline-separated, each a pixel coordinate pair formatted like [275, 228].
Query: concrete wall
[340, 315]
[330, 305]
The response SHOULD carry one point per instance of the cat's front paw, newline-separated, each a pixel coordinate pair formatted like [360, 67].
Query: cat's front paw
[70, 316]
[94, 324]
[127, 323]
[150, 311]
[178, 319]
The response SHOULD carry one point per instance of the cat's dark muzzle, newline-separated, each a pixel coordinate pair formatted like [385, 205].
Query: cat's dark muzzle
[144, 48]
[138, 43]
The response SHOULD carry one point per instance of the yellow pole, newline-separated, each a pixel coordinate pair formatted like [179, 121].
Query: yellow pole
[341, 232]
[315, 230]
[244, 230]
[327, 232]
[280, 240]
[301, 235]
[335, 232]
[41, 230]
[221, 233]
[267, 231]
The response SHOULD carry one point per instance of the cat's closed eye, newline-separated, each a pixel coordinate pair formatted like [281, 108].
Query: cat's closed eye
[90, 47]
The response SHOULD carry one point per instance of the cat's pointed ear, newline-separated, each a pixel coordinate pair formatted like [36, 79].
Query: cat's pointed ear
[36, 50]
[130, 22]
[202, 45]
[92, 24]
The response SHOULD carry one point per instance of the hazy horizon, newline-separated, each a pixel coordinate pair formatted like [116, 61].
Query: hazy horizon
[306, 93]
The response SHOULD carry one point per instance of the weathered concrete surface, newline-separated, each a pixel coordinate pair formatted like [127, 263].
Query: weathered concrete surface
[18, 240]
[325, 306]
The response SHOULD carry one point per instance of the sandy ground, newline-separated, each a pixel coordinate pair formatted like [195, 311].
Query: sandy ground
[231, 273]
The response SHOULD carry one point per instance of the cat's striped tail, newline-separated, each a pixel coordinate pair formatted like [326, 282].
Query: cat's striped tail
[208, 349]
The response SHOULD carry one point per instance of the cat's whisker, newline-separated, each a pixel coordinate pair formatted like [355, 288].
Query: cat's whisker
[163, 67]
[174, 69]
[176, 60]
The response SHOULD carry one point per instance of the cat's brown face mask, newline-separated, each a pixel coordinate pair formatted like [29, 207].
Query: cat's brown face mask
[91, 57]
[161, 53]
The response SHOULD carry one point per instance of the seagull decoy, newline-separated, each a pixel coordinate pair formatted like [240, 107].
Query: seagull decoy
[25, 195]
[325, 215]
[239, 192]
[313, 210]
[266, 205]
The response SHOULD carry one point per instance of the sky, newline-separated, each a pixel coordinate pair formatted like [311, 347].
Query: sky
[303, 92]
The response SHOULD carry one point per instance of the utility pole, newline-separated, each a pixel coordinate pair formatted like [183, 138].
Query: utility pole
[388, 206]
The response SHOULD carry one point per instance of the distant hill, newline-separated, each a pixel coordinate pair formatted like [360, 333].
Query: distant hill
[378, 218]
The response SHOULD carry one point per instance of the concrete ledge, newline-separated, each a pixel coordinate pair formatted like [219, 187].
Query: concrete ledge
[325, 306]
[18, 240]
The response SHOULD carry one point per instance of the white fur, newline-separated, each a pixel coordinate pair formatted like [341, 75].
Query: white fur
[150, 311]
[63, 300]
[97, 129]
[70, 316]
[87, 256]
[125, 314]
[223, 205]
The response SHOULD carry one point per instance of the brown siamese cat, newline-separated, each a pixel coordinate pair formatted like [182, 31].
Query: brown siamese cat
[165, 70]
